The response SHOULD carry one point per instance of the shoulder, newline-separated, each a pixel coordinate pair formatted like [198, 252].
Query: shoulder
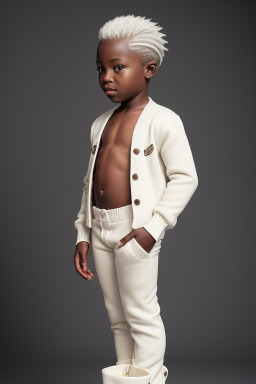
[167, 122]
[103, 117]
[165, 114]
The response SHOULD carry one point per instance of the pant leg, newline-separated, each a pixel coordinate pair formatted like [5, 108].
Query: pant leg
[128, 278]
[102, 245]
[137, 273]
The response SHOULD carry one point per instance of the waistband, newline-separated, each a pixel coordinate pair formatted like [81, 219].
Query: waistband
[111, 215]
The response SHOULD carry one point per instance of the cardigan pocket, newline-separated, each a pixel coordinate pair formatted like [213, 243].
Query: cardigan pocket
[149, 150]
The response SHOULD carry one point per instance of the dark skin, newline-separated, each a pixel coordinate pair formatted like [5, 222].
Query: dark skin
[111, 176]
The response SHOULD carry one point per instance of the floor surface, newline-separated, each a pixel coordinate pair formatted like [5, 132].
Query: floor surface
[61, 373]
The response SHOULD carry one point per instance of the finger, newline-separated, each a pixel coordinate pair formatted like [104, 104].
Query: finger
[82, 273]
[84, 266]
[79, 269]
[87, 271]
[126, 238]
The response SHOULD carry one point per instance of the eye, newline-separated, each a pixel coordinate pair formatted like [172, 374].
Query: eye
[117, 68]
[98, 69]
[120, 66]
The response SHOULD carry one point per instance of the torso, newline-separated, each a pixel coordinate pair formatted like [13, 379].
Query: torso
[111, 176]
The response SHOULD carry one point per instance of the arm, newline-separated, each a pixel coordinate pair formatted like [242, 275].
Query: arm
[83, 237]
[183, 181]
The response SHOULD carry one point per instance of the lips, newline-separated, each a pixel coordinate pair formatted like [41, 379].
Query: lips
[109, 89]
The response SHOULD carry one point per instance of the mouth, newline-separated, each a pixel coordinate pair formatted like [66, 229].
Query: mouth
[109, 91]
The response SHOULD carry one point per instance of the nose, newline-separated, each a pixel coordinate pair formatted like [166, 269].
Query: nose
[107, 76]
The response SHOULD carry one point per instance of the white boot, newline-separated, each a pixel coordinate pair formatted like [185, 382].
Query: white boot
[165, 373]
[125, 374]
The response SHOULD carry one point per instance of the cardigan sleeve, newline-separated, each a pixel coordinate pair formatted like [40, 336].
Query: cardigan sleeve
[83, 232]
[181, 171]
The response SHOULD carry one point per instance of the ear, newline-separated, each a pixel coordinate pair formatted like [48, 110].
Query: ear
[150, 69]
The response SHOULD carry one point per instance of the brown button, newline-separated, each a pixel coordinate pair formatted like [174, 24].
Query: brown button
[135, 176]
[165, 373]
[136, 151]
[136, 202]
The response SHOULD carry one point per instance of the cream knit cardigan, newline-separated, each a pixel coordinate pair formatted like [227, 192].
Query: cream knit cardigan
[165, 167]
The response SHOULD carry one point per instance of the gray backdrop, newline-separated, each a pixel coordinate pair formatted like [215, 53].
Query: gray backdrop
[50, 97]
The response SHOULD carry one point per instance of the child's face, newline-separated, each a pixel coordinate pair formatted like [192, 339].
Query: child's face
[126, 75]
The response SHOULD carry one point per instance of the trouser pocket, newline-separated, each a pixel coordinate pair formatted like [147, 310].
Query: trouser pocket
[139, 253]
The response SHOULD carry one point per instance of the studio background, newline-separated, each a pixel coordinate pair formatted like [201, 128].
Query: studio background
[50, 97]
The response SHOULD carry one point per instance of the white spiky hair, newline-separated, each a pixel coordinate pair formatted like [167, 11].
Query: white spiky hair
[144, 36]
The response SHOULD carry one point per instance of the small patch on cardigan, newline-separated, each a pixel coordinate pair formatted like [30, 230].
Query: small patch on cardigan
[149, 150]
[94, 148]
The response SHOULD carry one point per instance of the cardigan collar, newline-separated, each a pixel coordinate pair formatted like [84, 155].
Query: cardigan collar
[141, 123]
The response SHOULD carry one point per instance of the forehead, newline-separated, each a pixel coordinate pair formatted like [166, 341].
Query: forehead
[113, 49]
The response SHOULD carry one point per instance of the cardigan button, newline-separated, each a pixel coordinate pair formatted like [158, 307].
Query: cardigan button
[135, 176]
[136, 201]
[136, 151]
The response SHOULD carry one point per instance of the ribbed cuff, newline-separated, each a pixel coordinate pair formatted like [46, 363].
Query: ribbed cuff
[156, 226]
[83, 234]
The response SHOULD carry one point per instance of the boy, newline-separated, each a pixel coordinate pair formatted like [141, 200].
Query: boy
[140, 177]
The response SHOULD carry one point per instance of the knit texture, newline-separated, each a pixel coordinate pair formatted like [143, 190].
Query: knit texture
[165, 166]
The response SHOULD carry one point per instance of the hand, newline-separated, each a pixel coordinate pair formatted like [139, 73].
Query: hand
[142, 236]
[80, 260]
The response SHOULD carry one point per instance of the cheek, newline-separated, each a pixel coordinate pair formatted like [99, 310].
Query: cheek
[126, 75]
[131, 79]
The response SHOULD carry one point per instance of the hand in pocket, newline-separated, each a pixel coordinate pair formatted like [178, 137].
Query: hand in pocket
[142, 236]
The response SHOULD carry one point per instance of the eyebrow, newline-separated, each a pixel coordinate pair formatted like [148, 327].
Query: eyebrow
[110, 60]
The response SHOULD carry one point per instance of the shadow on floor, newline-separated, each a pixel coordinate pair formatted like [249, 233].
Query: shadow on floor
[90, 373]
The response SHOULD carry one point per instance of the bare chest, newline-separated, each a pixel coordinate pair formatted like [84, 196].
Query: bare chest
[119, 130]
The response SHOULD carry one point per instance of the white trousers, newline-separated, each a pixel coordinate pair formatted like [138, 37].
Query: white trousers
[128, 279]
